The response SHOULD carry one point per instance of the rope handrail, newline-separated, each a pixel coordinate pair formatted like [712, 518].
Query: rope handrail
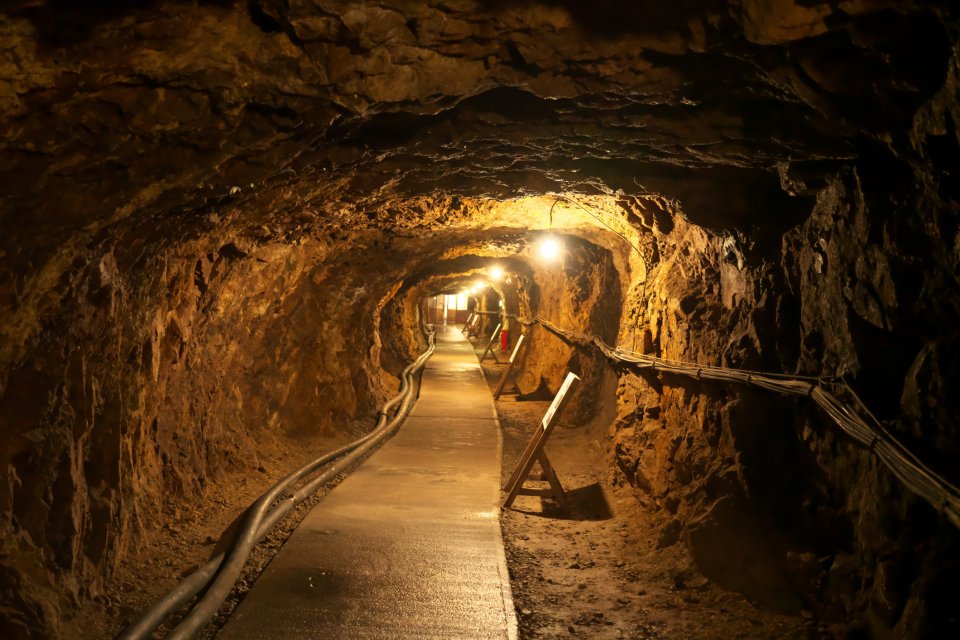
[869, 432]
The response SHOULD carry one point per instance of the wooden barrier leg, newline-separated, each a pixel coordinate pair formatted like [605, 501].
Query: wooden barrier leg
[503, 381]
[527, 454]
[522, 474]
[471, 328]
[509, 370]
[523, 470]
[466, 325]
[489, 349]
[558, 493]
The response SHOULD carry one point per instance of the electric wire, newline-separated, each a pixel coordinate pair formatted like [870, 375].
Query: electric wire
[860, 425]
[595, 217]
[643, 258]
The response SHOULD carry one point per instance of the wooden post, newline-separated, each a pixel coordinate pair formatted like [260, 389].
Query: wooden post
[509, 369]
[489, 349]
[535, 453]
[466, 325]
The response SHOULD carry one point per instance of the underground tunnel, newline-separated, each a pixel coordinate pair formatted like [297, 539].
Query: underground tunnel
[229, 229]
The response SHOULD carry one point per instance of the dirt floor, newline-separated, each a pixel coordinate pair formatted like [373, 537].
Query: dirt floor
[596, 571]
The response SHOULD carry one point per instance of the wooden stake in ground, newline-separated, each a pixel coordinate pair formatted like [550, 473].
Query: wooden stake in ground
[489, 349]
[507, 372]
[535, 453]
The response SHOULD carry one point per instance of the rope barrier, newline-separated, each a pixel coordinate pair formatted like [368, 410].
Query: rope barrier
[899, 460]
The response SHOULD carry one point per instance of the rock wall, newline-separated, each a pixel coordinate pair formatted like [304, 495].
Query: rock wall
[166, 366]
[580, 289]
[772, 500]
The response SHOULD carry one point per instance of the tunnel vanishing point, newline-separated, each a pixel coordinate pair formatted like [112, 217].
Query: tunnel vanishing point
[219, 221]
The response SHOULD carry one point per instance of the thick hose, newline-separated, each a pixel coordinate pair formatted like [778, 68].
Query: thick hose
[226, 567]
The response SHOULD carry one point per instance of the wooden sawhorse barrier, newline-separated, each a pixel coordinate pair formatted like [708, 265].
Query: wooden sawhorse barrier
[489, 349]
[508, 371]
[470, 328]
[535, 453]
[466, 325]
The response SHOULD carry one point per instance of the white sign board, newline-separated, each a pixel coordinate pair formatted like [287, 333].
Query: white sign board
[558, 399]
[516, 348]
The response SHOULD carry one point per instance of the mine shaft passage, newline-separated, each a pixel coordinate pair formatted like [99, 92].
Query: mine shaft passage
[419, 510]
[479, 319]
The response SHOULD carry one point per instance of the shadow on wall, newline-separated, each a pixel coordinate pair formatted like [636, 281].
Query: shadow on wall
[64, 23]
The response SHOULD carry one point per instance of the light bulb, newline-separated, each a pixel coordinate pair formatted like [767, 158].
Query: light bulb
[549, 248]
[496, 273]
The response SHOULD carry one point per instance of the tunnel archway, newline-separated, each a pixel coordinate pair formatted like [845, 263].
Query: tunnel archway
[212, 261]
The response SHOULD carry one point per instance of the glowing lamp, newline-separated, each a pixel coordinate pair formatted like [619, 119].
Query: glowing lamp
[549, 248]
[496, 273]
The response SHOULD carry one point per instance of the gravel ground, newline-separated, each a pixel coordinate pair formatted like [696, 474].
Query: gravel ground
[597, 571]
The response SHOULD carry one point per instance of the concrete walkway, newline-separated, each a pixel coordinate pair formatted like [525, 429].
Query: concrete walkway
[408, 546]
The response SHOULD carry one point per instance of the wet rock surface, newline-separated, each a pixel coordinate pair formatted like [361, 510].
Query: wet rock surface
[218, 220]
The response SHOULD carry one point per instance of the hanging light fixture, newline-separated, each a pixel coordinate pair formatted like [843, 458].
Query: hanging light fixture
[549, 244]
[496, 273]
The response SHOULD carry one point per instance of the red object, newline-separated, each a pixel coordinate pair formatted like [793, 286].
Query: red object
[503, 340]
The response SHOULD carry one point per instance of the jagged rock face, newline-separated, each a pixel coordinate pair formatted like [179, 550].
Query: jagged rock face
[172, 106]
[218, 219]
[772, 501]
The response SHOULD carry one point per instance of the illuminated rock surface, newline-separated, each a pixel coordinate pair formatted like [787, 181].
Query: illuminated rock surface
[217, 220]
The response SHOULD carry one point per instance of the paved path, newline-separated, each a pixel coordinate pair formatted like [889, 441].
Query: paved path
[409, 545]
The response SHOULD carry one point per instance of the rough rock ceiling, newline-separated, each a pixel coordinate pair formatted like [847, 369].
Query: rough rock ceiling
[125, 108]
[275, 119]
